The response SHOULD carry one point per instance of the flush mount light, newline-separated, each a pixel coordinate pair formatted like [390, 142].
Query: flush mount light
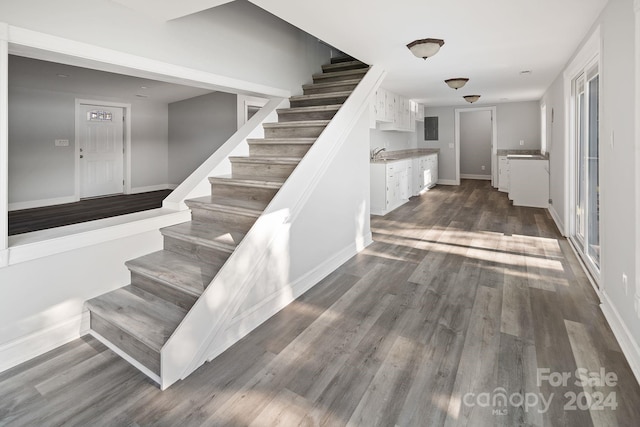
[62, 76]
[456, 83]
[425, 48]
[525, 72]
[471, 98]
[140, 95]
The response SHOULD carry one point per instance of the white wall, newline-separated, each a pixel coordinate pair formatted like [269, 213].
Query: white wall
[617, 168]
[198, 127]
[516, 121]
[40, 171]
[392, 140]
[554, 101]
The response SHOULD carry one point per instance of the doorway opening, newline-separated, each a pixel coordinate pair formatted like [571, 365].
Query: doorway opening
[475, 143]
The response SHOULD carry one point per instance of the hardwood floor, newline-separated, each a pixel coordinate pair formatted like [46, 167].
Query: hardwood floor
[27, 220]
[462, 299]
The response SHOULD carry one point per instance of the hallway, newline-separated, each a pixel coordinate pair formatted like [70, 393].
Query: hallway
[462, 299]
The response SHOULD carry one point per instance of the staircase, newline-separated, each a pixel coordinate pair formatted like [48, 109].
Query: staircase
[137, 320]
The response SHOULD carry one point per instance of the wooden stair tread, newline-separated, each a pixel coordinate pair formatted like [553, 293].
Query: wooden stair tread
[249, 181]
[149, 319]
[329, 95]
[284, 141]
[342, 64]
[228, 204]
[174, 270]
[342, 58]
[356, 72]
[298, 124]
[330, 84]
[205, 234]
[266, 159]
[309, 109]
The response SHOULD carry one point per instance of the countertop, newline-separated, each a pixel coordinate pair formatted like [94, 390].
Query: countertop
[513, 154]
[392, 156]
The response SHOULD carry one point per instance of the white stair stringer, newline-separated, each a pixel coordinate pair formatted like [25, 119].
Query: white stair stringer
[234, 303]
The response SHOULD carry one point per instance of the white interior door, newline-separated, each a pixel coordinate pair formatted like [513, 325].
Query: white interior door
[101, 150]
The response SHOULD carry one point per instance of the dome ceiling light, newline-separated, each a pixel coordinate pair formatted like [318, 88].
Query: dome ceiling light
[456, 83]
[425, 48]
[471, 98]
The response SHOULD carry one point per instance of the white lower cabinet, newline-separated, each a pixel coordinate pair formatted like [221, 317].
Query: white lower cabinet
[425, 173]
[503, 174]
[390, 185]
[393, 182]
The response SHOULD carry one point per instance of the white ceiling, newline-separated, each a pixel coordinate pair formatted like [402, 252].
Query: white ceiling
[488, 41]
[44, 75]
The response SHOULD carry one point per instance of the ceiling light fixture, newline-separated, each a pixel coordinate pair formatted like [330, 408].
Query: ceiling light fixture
[62, 76]
[456, 83]
[525, 72]
[471, 98]
[425, 48]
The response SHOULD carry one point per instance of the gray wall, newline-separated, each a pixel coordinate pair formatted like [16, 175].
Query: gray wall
[198, 127]
[391, 140]
[475, 143]
[515, 121]
[40, 171]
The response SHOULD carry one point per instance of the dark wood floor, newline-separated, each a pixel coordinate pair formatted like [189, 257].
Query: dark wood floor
[27, 220]
[462, 298]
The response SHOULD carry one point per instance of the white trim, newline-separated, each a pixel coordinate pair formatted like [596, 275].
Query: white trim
[629, 346]
[252, 318]
[126, 166]
[556, 219]
[36, 45]
[27, 347]
[30, 204]
[448, 182]
[29, 246]
[4, 136]
[473, 176]
[148, 188]
[494, 137]
[125, 356]
[636, 8]
[589, 51]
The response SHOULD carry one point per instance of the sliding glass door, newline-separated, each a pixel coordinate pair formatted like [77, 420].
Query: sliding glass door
[586, 180]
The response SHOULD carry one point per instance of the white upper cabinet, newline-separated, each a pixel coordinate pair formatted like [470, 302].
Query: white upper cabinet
[394, 112]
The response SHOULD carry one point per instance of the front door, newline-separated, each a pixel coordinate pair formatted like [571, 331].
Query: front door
[101, 150]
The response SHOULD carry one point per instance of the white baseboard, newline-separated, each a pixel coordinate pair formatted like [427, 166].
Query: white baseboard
[25, 348]
[478, 177]
[629, 346]
[447, 182]
[16, 206]
[246, 322]
[556, 219]
[148, 188]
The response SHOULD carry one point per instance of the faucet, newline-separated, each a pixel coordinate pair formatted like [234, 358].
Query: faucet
[377, 151]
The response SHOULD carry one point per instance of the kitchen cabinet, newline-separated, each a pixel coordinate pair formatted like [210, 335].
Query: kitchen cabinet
[503, 174]
[425, 173]
[529, 182]
[394, 112]
[390, 185]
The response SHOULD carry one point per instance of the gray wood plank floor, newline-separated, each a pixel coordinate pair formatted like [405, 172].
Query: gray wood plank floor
[462, 299]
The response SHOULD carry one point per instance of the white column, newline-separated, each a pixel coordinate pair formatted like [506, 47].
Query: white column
[4, 143]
